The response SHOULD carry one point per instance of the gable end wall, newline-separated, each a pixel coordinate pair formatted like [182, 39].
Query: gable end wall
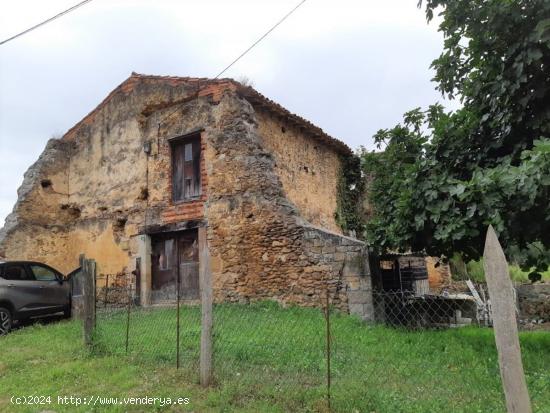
[308, 169]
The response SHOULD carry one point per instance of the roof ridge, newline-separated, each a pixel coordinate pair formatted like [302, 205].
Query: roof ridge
[248, 92]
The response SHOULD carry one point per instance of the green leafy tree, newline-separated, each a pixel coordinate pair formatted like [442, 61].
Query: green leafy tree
[443, 177]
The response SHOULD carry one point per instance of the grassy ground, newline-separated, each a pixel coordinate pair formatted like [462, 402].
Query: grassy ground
[267, 359]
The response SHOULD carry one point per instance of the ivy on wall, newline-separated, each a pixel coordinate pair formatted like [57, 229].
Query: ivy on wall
[350, 195]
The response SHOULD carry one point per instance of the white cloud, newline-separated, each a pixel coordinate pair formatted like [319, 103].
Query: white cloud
[351, 67]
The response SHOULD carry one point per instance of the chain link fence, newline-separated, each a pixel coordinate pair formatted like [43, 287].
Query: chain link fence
[271, 352]
[423, 353]
[166, 333]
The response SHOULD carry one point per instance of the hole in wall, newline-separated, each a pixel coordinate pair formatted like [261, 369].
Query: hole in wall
[73, 210]
[119, 223]
[46, 183]
[143, 194]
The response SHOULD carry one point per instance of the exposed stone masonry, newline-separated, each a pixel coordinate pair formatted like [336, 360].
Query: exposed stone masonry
[103, 193]
[534, 301]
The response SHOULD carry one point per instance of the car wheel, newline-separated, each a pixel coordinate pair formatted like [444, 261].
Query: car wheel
[5, 321]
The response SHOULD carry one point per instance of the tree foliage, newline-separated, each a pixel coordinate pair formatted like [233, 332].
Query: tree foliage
[443, 177]
[350, 193]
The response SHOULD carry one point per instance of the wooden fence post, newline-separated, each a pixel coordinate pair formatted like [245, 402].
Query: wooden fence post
[88, 287]
[501, 293]
[205, 278]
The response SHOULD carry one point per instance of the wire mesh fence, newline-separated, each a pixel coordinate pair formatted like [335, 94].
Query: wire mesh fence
[271, 351]
[426, 353]
[423, 353]
[409, 310]
[167, 332]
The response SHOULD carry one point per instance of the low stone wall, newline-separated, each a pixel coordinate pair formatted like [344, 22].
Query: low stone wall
[346, 261]
[534, 301]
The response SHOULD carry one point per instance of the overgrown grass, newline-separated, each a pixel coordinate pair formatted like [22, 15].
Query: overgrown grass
[474, 271]
[477, 273]
[268, 359]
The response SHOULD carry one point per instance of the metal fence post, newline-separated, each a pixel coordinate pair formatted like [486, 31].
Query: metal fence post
[94, 288]
[129, 289]
[178, 286]
[106, 291]
[205, 279]
[328, 338]
[88, 269]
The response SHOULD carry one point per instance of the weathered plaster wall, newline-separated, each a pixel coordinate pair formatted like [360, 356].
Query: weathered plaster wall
[97, 200]
[309, 171]
[38, 221]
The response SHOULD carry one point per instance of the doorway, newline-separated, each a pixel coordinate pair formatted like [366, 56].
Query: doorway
[175, 266]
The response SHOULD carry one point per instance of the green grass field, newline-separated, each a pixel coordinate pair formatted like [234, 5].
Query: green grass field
[267, 359]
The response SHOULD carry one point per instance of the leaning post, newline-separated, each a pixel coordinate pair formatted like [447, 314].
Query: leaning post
[501, 293]
[205, 279]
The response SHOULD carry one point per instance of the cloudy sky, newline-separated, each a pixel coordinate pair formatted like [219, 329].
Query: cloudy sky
[351, 67]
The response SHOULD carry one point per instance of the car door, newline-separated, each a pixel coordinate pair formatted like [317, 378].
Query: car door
[21, 290]
[53, 291]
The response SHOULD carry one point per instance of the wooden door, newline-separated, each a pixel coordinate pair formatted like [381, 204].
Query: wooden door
[164, 267]
[188, 247]
[169, 250]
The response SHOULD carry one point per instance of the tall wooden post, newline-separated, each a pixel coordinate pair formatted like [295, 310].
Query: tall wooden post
[88, 287]
[205, 279]
[501, 293]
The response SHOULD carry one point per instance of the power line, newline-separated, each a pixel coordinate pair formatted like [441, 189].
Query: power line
[260, 39]
[245, 52]
[36, 26]
[82, 3]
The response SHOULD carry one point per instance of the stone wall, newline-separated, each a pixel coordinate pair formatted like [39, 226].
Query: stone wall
[347, 259]
[261, 247]
[534, 301]
[309, 171]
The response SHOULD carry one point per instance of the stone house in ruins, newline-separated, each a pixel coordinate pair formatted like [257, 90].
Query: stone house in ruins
[167, 165]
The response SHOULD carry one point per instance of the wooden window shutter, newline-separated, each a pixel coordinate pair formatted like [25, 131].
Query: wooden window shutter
[186, 159]
[188, 171]
[177, 172]
[197, 167]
